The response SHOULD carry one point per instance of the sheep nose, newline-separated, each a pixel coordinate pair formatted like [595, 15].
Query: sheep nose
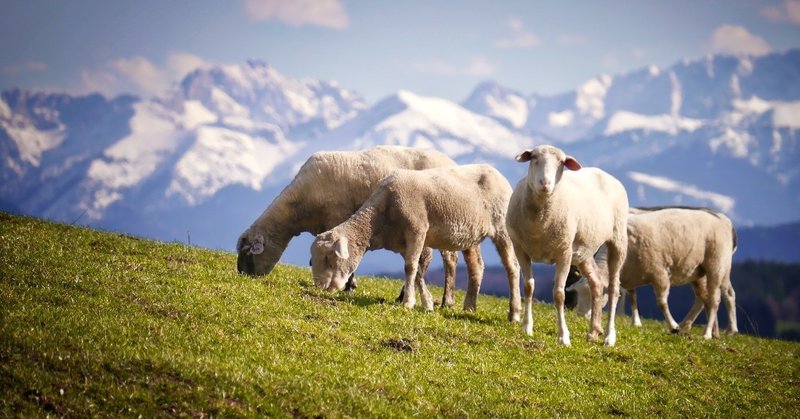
[545, 183]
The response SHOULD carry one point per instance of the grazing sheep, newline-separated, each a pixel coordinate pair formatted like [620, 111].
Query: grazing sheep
[578, 295]
[563, 217]
[450, 208]
[671, 246]
[328, 189]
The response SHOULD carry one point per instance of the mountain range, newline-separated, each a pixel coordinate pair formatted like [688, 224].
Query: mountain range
[198, 163]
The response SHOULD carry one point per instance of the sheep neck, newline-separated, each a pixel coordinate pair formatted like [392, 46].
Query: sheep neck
[541, 205]
[279, 223]
[362, 226]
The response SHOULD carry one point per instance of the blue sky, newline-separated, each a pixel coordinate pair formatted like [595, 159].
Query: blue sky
[436, 48]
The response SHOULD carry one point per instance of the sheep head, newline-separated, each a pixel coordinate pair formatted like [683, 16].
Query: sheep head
[332, 262]
[547, 164]
[257, 255]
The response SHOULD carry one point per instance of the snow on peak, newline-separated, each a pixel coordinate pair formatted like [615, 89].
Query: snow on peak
[195, 114]
[153, 138]
[412, 120]
[498, 102]
[722, 202]
[676, 96]
[5, 111]
[622, 121]
[30, 140]
[266, 95]
[745, 67]
[786, 114]
[590, 97]
[737, 142]
[221, 157]
[560, 119]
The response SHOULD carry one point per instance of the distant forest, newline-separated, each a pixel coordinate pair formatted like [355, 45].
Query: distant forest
[767, 295]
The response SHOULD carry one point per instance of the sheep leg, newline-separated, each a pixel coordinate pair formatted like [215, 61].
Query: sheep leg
[712, 304]
[562, 271]
[422, 271]
[528, 287]
[661, 287]
[621, 301]
[424, 293]
[449, 259]
[700, 295]
[637, 321]
[411, 265]
[502, 242]
[617, 251]
[729, 296]
[589, 270]
[475, 272]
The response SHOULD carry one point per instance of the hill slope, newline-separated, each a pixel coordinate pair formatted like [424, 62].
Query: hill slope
[100, 324]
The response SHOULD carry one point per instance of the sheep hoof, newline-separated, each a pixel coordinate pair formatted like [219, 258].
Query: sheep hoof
[610, 342]
[527, 329]
[513, 317]
[675, 331]
[592, 336]
[564, 340]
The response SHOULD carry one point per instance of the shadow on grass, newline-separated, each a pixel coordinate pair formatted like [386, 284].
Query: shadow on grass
[331, 298]
[450, 313]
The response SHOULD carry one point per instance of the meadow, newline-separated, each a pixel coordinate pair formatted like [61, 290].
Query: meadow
[95, 323]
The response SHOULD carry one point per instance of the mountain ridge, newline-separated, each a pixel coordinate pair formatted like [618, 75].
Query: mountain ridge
[719, 131]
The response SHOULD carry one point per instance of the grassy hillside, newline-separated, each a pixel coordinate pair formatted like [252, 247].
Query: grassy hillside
[93, 323]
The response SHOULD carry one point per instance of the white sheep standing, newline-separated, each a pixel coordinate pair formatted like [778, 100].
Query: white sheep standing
[328, 189]
[563, 217]
[672, 246]
[450, 208]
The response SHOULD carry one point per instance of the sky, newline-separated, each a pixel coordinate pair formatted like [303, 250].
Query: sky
[375, 47]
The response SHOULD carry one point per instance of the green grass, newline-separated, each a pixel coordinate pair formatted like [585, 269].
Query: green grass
[101, 324]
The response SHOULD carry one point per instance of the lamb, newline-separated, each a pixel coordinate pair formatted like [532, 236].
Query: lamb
[671, 246]
[451, 208]
[328, 189]
[563, 217]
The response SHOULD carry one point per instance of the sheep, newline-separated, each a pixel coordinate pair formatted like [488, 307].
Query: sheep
[578, 295]
[328, 189]
[671, 246]
[450, 208]
[563, 217]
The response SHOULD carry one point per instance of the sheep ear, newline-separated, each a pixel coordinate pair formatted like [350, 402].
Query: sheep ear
[340, 248]
[524, 156]
[572, 164]
[257, 245]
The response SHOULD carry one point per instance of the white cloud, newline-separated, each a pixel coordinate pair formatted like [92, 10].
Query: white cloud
[30, 66]
[326, 13]
[477, 66]
[520, 38]
[736, 40]
[789, 11]
[138, 75]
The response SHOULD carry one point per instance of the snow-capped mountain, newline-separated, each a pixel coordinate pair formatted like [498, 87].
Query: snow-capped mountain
[411, 120]
[720, 131]
[201, 161]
